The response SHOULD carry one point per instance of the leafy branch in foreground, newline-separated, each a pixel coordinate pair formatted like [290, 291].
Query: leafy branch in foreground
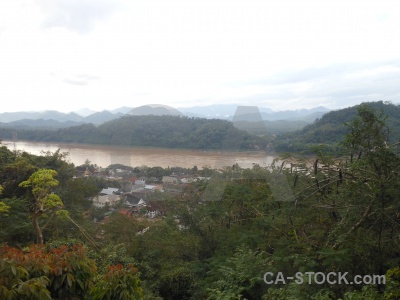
[3, 207]
[44, 203]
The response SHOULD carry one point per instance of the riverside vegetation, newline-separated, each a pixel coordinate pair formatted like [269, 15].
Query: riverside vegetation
[150, 131]
[340, 215]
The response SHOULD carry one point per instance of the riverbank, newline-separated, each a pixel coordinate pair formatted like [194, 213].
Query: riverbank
[149, 156]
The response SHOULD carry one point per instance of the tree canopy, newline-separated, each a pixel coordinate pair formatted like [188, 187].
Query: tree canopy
[220, 235]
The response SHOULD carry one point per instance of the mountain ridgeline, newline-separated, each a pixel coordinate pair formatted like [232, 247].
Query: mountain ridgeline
[151, 131]
[247, 131]
[331, 128]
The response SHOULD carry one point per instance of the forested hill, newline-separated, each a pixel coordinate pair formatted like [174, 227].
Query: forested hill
[330, 128]
[150, 131]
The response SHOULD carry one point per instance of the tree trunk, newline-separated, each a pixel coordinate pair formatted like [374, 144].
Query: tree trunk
[36, 227]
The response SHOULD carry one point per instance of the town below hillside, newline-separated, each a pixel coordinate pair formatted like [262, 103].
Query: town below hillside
[138, 192]
[121, 232]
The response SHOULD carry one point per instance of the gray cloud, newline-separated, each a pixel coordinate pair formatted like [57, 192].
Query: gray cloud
[338, 86]
[325, 72]
[76, 15]
[369, 83]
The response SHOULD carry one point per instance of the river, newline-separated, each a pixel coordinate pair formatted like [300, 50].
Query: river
[136, 156]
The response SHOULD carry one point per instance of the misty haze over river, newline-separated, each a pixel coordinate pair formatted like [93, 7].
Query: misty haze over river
[137, 156]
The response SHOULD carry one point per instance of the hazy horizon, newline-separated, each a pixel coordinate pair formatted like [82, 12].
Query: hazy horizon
[178, 108]
[66, 55]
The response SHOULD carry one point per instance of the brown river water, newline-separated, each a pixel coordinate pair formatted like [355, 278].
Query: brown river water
[136, 156]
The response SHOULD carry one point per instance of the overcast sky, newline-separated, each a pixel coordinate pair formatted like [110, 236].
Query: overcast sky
[103, 54]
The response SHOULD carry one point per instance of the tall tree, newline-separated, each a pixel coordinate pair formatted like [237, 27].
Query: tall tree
[43, 202]
[373, 185]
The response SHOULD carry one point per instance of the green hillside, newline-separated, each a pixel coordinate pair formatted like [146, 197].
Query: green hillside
[268, 128]
[330, 128]
[318, 229]
[151, 131]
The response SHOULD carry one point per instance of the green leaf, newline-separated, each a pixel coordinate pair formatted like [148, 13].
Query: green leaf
[70, 279]
[62, 213]
[4, 208]
[81, 284]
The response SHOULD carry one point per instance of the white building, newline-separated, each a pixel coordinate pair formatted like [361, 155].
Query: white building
[101, 201]
[140, 182]
[108, 191]
[170, 179]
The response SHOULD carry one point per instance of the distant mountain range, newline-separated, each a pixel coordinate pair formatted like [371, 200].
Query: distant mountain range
[44, 115]
[54, 120]
[228, 111]
[157, 126]
[156, 110]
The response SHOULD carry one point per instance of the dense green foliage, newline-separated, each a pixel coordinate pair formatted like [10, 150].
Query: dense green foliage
[150, 131]
[62, 273]
[330, 129]
[31, 196]
[268, 128]
[219, 236]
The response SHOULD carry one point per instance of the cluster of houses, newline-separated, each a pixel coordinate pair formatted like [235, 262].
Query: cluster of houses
[175, 179]
[133, 204]
[135, 191]
[107, 197]
[138, 206]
